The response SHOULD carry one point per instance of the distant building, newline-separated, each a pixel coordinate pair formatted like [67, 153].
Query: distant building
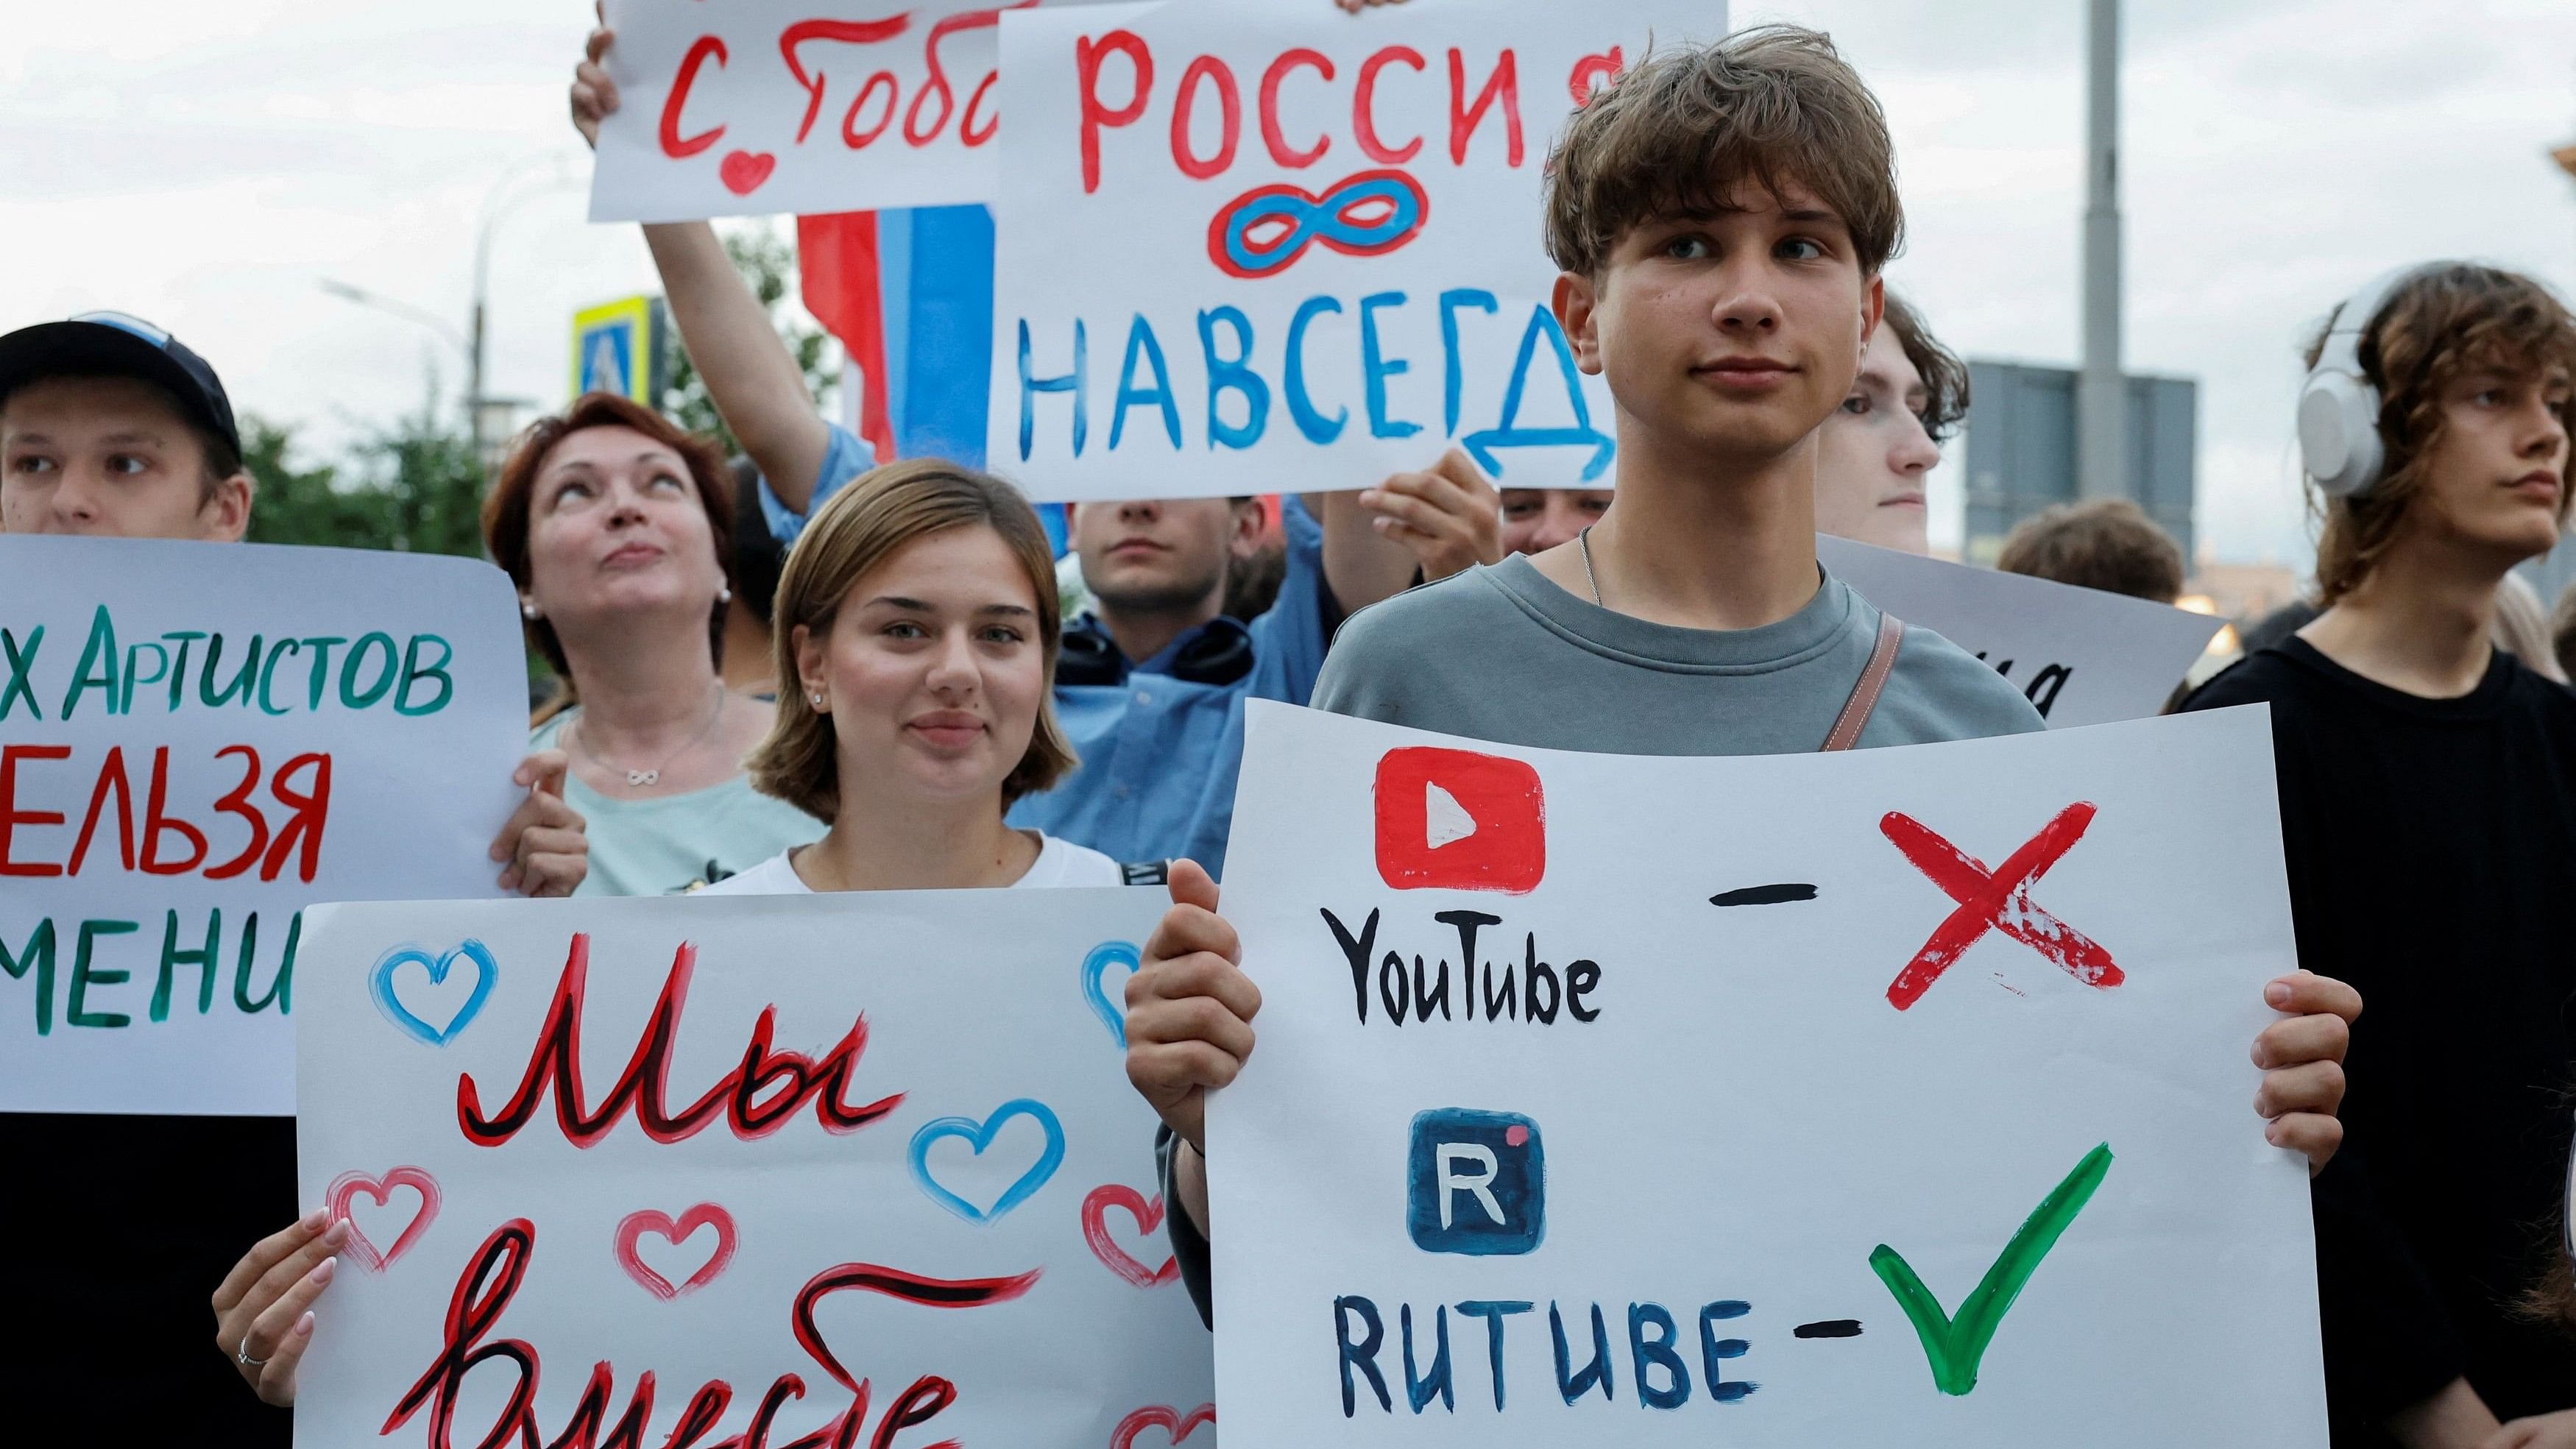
[2021, 450]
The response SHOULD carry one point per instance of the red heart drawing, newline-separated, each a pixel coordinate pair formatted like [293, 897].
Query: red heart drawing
[349, 1184]
[744, 171]
[1172, 1421]
[1148, 1216]
[636, 1224]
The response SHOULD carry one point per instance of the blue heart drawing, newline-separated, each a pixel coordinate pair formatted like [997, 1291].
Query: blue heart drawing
[381, 986]
[1095, 966]
[980, 1135]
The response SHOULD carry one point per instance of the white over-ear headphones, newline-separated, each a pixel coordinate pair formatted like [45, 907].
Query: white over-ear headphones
[2339, 442]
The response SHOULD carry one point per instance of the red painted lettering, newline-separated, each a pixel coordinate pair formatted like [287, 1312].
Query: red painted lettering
[11, 817]
[237, 802]
[1593, 74]
[847, 32]
[913, 130]
[111, 776]
[555, 1063]
[1184, 101]
[1280, 150]
[154, 823]
[1466, 116]
[675, 145]
[493, 1276]
[1364, 106]
[1096, 117]
[851, 135]
[306, 813]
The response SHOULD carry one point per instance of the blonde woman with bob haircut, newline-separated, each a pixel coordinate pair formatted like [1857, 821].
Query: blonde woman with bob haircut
[917, 620]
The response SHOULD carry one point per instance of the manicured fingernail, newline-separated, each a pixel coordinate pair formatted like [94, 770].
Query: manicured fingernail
[314, 1220]
[304, 1325]
[321, 1273]
[2278, 993]
[338, 1234]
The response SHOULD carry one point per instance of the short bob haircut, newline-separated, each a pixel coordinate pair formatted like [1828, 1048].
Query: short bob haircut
[2448, 319]
[509, 510]
[1945, 377]
[1684, 128]
[861, 527]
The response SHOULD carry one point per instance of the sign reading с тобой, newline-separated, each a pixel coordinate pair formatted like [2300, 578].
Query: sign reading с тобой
[196, 742]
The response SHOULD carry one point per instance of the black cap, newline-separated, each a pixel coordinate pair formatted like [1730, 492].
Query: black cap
[115, 345]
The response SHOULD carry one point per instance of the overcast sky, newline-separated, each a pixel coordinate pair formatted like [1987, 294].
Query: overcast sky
[206, 165]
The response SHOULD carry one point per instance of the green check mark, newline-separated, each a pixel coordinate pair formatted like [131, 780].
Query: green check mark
[1955, 1346]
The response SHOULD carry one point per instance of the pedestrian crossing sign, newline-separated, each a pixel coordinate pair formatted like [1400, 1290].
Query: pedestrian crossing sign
[620, 347]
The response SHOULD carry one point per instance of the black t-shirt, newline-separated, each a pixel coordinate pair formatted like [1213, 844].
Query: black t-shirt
[2431, 846]
[122, 1227]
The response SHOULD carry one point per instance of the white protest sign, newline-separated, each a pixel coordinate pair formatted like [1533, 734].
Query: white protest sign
[757, 107]
[843, 1169]
[1247, 246]
[1741, 1101]
[196, 742]
[2082, 656]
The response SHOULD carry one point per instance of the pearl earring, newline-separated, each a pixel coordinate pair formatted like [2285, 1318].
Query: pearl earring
[724, 595]
[818, 700]
[528, 609]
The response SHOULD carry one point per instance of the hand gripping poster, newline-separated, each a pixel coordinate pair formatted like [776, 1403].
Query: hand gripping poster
[1251, 246]
[815, 1171]
[1878, 1100]
[199, 740]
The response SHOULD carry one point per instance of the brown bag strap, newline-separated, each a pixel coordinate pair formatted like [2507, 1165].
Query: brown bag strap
[1873, 680]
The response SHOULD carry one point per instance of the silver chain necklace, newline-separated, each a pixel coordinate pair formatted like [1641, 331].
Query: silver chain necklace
[639, 779]
[1584, 541]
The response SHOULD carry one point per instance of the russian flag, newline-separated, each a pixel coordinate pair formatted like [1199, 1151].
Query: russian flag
[910, 295]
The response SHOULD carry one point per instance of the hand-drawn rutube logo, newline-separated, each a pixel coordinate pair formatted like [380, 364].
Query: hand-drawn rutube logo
[1266, 229]
[1475, 1183]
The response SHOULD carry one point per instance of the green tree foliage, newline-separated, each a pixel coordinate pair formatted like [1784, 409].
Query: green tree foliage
[767, 260]
[412, 486]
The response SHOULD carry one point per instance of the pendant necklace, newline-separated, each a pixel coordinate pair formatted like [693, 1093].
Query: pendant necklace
[639, 779]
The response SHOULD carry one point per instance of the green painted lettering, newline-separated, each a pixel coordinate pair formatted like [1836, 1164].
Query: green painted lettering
[100, 654]
[204, 960]
[415, 671]
[38, 957]
[76, 1010]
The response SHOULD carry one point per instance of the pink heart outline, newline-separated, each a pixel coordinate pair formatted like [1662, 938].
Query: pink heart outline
[636, 1224]
[349, 1184]
[1148, 1216]
[1172, 1421]
[744, 172]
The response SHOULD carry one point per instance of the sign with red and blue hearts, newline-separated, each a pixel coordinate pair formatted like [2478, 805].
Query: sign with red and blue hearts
[786, 1170]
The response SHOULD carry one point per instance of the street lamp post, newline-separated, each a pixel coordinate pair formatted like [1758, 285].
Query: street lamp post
[473, 344]
[2101, 451]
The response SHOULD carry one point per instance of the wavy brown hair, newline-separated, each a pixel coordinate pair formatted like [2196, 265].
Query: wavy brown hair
[1945, 376]
[508, 510]
[861, 527]
[1683, 128]
[2448, 319]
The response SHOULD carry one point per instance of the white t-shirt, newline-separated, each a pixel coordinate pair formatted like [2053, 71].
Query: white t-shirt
[1059, 863]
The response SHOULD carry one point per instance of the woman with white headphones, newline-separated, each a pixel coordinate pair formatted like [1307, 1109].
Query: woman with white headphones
[2428, 814]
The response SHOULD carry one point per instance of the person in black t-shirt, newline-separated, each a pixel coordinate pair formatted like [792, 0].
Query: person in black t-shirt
[2428, 813]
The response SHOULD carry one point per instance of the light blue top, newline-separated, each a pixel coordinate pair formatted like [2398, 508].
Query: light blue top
[1159, 754]
[676, 843]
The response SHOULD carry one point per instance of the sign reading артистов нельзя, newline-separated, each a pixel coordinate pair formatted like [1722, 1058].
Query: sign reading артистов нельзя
[1897, 1097]
[1246, 246]
[196, 742]
[840, 1170]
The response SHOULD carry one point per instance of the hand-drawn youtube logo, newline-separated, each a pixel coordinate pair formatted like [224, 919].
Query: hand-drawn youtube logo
[1456, 820]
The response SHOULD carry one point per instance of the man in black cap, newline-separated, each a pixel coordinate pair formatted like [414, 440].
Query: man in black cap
[109, 426]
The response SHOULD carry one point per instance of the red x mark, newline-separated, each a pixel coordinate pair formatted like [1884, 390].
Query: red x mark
[1995, 900]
